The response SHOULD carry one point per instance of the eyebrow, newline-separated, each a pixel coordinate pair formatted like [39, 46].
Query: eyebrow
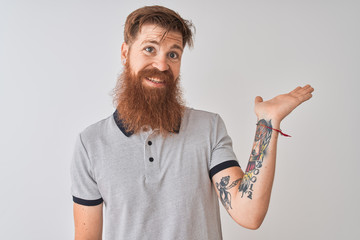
[174, 46]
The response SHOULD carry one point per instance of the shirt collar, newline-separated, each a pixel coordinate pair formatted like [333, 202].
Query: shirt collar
[119, 122]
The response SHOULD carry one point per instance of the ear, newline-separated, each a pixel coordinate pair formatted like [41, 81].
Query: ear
[124, 52]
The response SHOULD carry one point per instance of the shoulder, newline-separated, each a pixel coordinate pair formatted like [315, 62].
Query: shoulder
[96, 130]
[200, 120]
[200, 115]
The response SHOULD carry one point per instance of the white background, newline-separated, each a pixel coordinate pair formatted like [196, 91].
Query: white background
[59, 60]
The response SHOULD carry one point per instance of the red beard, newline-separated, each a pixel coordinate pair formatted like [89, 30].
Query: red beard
[139, 105]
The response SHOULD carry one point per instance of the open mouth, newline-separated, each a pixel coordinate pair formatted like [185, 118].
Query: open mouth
[155, 81]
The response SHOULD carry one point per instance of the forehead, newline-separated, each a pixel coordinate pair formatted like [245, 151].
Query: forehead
[152, 32]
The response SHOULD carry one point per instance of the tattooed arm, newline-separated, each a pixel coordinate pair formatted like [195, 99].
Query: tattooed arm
[246, 196]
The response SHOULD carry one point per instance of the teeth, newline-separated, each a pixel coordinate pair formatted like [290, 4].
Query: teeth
[155, 80]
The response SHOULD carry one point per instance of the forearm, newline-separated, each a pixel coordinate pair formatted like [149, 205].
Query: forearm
[248, 202]
[252, 199]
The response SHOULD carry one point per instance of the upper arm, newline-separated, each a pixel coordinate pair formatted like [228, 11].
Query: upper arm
[235, 193]
[88, 202]
[88, 221]
[225, 171]
[226, 183]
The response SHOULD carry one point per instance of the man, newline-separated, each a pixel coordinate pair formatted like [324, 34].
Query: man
[158, 166]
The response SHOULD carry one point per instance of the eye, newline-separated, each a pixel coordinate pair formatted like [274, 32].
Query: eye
[173, 55]
[149, 49]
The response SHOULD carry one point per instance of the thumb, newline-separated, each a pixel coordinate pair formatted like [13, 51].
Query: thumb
[258, 99]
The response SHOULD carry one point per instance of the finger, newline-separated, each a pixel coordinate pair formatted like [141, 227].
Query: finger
[307, 86]
[296, 89]
[307, 89]
[305, 97]
[310, 89]
[299, 91]
[258, 99]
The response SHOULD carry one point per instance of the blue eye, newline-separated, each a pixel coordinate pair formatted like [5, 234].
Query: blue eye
[149, 49]
[173, 55]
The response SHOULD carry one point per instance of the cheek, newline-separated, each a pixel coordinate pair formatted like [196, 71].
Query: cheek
[137, 62]
[137, 66]
[176, 71]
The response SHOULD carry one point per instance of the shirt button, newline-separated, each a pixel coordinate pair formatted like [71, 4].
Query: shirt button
[151, 159]
[149, 142]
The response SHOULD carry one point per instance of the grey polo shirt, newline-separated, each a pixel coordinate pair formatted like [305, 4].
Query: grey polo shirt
[153, 188]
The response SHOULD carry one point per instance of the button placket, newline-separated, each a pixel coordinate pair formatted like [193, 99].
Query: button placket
[150, 158]
[149, 143]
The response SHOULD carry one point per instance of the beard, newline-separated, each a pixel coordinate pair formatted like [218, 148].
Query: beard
[139, 105]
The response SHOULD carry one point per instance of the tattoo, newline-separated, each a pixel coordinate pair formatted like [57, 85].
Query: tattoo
[225, 196]
[261, 142]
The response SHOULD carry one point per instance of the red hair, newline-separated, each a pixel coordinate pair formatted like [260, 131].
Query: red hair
[161, 16]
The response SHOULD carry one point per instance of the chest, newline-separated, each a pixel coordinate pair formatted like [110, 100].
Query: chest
[151, 168]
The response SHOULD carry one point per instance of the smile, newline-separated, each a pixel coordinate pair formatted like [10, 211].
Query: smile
[154, 80]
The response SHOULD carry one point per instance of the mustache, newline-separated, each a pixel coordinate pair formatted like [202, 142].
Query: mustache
[167, 75]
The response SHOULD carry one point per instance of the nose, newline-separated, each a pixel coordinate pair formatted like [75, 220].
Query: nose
[161, 63]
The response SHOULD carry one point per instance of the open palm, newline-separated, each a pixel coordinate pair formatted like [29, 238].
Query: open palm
[280, 106]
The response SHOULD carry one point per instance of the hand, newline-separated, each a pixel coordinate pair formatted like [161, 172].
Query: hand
[280, 106]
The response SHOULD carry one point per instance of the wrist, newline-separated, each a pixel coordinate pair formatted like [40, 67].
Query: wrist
[274, 125]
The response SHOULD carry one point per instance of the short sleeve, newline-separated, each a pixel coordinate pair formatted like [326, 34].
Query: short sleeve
[84, 188]
[222, 155]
